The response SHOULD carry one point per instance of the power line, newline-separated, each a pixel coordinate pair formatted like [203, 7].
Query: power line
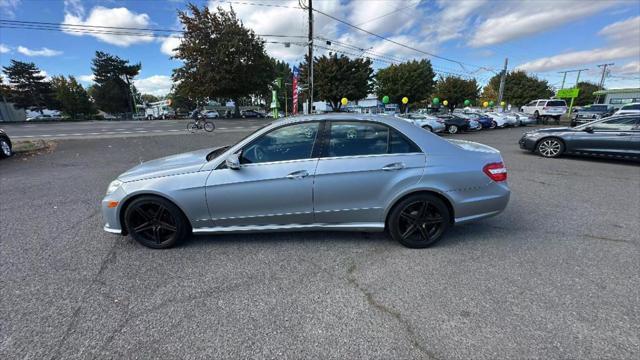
[389, 13]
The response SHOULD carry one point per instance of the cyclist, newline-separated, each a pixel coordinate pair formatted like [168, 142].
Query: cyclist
[197, 117]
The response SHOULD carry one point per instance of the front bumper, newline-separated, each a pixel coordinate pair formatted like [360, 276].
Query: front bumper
[528, 143]
[110, 215]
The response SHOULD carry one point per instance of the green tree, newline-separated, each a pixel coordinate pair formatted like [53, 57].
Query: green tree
[72, 97]
[521, 88]
[413, 79]
[335, 77]
[221, 58]
[148, 98]
[27, 86]
[456, 90]
[180, 101]
[585, 96]
[112, 76]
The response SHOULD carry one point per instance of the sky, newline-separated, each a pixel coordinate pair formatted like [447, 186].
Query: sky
[468, 38]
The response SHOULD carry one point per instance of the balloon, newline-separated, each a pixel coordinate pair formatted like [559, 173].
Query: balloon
[445, 103]
[491, 103]
[385, 99]
[405, 100]
[436, 101]
[467, 102]
[502, 103]
[344, 101]
[485, 104]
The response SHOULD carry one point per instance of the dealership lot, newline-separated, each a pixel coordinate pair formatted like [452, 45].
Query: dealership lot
[554, 276]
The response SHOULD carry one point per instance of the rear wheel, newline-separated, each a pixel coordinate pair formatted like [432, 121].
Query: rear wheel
[209, 126]
[550, 147]
[155, 222]
[5, 148]
[453, 129]
[192, 127]
[419, 221]
[427, 128]
[494, 124]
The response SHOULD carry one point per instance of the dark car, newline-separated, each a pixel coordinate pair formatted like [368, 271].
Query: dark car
[454, 123]
[5, 145]
[616, 136]
[591, 113]
[251, 114]
[485, 121]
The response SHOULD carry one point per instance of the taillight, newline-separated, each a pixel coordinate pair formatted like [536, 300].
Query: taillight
[496, 171]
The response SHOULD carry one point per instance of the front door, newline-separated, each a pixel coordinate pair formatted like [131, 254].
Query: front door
[363, 165]
[609, 137]
[274, 184]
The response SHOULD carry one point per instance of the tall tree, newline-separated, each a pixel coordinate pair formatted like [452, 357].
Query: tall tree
[521, 88]
[113, 76]
[72, 97]
[413, 79]
[335, 77]
[456, 90]
[585, 96]
[221, 58]
[28, 87]
[149, 98]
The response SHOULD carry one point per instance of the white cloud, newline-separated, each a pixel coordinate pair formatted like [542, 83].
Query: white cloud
[570, 59]
[46, 52]
[169, 44]
[622, 31]
[365, 15]
[9, 7]
[158, 85]
[629, 68]
[86, 78]
[4, 49]
[102, 16]
[517, 19]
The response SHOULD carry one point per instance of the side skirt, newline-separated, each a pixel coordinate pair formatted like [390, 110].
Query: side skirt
[372, 226]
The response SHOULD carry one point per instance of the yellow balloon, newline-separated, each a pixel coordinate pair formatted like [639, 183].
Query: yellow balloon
[485, 104]
[344, 101]
[405, 100]
[445, 103]
[502, 103]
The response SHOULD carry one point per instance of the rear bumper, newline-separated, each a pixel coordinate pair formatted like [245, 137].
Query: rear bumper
[481, 203]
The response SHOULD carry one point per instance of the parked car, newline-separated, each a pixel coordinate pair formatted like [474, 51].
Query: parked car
[269, 115]
[5, 145]
[499, 120]
[633, 108]
[615, 136]
[427, 122]
[524, 119]
[323, 172]
[545, 108]
[43, 117]
[485, 121]
[455, 124]
[590, 113]
[251, 114]
[210, 114]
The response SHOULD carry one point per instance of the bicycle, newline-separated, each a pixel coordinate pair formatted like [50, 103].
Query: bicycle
[205, 125]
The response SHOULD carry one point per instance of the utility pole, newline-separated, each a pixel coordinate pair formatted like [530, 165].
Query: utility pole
[310, 73]
[570, 71]
[601, 84]
[503, 77]
[577, 80]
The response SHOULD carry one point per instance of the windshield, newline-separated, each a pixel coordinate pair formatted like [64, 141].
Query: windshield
[556, 103]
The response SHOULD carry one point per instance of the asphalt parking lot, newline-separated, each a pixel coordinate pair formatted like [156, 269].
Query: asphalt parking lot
[555, 276]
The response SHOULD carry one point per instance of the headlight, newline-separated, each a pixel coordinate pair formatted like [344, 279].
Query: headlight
[531, 134]
[113, 186]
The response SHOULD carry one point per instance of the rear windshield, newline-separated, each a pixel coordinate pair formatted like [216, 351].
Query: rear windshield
[631, 107]
[556, 103]
[597, 108]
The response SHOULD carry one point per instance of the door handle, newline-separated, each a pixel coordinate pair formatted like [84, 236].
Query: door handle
[394, 166]
[298, 174]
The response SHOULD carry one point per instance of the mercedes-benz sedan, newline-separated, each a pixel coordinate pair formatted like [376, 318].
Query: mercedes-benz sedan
[333, 172]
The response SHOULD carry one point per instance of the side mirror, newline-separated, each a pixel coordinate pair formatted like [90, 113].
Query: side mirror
[233, 162]
[588, 129]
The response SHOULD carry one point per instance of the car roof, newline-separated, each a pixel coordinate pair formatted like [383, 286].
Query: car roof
[341, 116]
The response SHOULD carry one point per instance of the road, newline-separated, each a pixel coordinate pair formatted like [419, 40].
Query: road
[103, 129]
[554, 276]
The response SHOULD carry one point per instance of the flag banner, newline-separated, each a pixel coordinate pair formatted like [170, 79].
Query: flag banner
[296, 74]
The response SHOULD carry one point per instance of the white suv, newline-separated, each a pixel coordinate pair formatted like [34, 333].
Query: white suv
[545, 108]
[633, 108]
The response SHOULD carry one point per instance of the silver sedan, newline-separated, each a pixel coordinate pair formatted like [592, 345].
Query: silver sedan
[333, 172]
[428, 123]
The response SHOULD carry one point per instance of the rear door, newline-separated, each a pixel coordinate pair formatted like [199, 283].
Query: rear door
[609, 137]
[363, 166]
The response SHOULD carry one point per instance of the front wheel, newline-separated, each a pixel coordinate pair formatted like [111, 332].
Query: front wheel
[550, 148]
[419, 221]
[5, 148]
[453, 129]
[209, 126]
[427, 128]
[494, 124]
[192, 127]
[155, 222]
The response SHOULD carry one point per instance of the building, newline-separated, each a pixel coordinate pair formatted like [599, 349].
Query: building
[618, 97]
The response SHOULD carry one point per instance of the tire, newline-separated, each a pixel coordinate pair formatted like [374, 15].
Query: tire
[411, 226]
[550, 147]
[209, 126]
[155, 222]
[192, 127]
[494, 124]
[5, 148]
[536, 115]
[427, 128]
[452, 129]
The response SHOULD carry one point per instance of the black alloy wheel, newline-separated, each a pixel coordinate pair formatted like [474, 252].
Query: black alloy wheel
[419, 221]
[155, 222]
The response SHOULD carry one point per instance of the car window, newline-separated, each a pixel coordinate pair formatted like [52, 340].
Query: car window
[292, 142]
[533, 103]
[556, 103]
[541, 103]
[617, 124]
[362, 138]
[631, 107]
[398, 144]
